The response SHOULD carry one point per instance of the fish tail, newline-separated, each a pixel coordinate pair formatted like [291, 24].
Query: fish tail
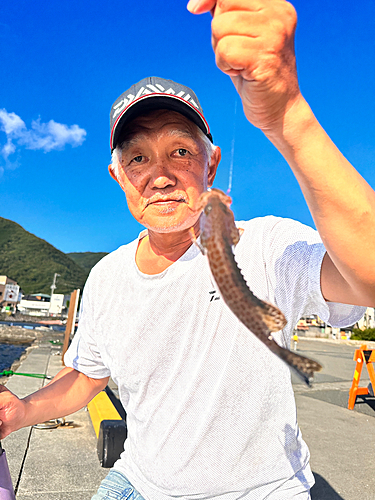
[304, 367]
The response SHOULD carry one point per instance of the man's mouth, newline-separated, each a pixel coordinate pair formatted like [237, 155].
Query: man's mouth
[165, 200]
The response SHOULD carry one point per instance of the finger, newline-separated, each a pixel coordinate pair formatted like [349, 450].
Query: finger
[3, 433]
[271, 35]
[277, 18]
[201, 6]
[249, 5]
[3, 388]
[229, 53]
[238, 23]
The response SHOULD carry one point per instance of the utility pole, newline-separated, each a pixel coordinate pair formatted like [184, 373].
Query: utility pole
[53, 286]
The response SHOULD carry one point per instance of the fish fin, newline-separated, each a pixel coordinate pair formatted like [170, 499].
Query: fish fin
[224, 198]
[235, 234]
[196, 242]
[272, 316]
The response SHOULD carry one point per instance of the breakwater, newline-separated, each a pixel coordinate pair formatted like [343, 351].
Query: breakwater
[17, 335]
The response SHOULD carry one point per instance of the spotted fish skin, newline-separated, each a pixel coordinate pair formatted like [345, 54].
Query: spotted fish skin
[218, 233]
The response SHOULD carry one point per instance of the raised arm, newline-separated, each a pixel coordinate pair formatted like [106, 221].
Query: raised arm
[253, 42]
[68, 392]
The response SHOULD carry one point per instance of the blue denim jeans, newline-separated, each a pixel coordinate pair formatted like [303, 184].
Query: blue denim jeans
[116, 487]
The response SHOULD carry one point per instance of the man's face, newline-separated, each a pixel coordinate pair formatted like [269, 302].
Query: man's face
[164, 168]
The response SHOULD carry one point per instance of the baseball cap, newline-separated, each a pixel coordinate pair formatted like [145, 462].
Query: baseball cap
[155, 93]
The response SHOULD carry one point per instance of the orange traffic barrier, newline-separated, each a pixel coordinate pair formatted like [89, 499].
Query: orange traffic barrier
[362, 356]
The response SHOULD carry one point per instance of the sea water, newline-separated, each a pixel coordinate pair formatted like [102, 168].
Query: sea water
[10, 353]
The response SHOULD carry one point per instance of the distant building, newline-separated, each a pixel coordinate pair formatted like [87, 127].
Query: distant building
[368, 320]
[56, 304]
[36, 304]
[9, 294]
[311, 326]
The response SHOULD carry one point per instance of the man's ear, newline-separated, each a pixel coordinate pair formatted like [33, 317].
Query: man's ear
[111, 172]
[212, 166]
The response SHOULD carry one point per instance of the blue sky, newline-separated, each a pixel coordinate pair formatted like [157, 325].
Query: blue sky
[64, 63]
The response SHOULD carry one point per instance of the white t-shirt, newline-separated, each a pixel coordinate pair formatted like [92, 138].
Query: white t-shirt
[210, 409]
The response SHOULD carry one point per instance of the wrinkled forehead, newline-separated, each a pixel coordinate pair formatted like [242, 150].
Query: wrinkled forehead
[158, 122]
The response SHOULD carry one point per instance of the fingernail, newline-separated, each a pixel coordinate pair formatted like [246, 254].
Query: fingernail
[192, 5]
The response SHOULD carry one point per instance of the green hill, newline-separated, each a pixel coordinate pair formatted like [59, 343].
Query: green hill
[32, 262]
[86, 260]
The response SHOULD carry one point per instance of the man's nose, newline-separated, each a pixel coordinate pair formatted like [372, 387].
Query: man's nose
[161, 175]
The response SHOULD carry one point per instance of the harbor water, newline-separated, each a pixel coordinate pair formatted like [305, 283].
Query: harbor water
[9, 353]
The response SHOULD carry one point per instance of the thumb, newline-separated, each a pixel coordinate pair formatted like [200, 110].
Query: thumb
[201, 6]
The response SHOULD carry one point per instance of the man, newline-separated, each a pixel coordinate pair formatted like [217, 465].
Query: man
[210, 410]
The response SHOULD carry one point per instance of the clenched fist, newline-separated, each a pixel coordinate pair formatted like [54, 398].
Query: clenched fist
[253, 42]
[12, 412]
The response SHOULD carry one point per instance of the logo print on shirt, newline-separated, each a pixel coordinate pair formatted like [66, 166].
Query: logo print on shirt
[213, 296]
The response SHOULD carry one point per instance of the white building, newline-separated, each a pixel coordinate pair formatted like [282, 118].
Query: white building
[56, 304]
[368, 320]
[35, 305]
[9, 294]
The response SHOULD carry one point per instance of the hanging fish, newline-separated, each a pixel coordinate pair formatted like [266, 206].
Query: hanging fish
[218, 233]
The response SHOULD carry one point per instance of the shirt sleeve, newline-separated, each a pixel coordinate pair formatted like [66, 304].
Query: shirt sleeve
[83, 354]
[293, 259]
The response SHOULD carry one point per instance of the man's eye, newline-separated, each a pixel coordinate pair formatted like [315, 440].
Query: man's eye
[182, 151]
[138, 159]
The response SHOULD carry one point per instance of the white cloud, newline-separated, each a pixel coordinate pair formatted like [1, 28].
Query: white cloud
[8, 149]
[11, 123]
[43, 136]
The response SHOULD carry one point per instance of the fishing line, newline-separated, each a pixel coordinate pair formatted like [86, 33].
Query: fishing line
[232, 149]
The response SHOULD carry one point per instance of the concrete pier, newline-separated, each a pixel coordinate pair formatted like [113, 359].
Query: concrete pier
[51, 464]
[62, 463]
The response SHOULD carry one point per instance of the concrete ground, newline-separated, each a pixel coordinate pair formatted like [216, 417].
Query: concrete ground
[51, 464]
[341, 441]
[62, 463]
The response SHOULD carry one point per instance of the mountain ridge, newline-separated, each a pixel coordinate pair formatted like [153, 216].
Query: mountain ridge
[32, 261]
